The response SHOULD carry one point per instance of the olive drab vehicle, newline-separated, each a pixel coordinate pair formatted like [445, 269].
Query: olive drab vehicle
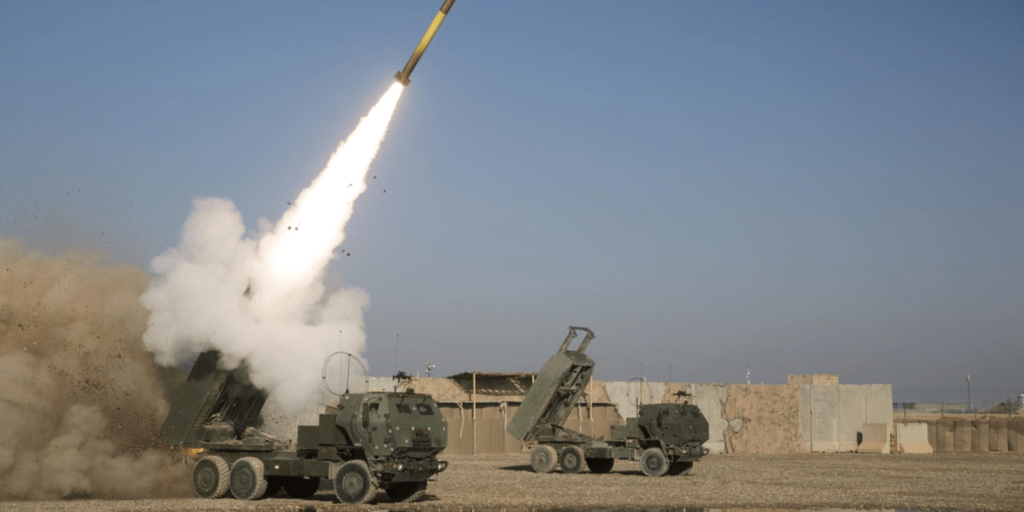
[666, 438]
[370, 441]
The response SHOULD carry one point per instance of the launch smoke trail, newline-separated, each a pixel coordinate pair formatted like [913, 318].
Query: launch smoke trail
[263, 299]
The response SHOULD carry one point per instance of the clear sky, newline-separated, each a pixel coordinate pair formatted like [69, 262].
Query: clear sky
[799, 187]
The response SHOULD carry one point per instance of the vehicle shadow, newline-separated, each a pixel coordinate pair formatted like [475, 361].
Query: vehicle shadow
[528, 468]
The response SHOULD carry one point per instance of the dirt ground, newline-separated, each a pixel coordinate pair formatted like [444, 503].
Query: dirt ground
[969, 482]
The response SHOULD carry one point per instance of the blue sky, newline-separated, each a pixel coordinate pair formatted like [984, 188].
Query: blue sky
[798, 186]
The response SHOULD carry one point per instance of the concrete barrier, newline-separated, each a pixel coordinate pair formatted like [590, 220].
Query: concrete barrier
[913, 438]
[875, 438]
[931, 436]
[711, 398]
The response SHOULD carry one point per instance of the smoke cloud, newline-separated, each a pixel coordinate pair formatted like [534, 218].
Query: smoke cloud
[262, 298]
[80, 400]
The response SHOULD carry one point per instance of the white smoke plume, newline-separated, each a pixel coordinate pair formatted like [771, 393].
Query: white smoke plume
[81, 403]
[262, 298]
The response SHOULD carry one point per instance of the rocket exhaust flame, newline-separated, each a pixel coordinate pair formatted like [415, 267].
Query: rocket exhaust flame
[283, 326]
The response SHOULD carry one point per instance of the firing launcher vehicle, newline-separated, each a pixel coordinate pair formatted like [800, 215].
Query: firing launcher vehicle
[665, 438]
[370, 441]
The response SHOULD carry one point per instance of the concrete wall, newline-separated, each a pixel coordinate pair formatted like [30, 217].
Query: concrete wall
[755, 419]
[626, 395]
[711, 399]
[831, 417]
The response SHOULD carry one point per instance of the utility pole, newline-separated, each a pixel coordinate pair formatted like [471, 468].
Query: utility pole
[968, 392]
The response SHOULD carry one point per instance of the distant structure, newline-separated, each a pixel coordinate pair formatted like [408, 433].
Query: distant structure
[1020, 401]
[813, 379]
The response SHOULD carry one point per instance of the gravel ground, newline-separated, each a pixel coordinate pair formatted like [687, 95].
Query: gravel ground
[970, 482]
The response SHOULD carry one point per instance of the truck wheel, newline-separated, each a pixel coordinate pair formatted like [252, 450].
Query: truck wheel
[571, 459]
[210, 477]
[247, 482]
[679, 468]
[407, 492]
[353, 482]
[301, 488]
[543, 459]
[600, 465]
[653, 462]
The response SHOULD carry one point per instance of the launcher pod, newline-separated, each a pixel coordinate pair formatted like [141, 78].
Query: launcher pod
[666, 438]
[371, 441]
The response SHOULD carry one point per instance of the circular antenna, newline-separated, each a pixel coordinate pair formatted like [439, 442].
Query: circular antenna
[348, 372]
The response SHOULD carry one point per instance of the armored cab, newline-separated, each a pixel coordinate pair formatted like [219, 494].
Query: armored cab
[665, 438]
[370, 441]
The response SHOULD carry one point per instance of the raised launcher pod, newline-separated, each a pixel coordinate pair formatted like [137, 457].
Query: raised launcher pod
[214, 406]
[558, 387]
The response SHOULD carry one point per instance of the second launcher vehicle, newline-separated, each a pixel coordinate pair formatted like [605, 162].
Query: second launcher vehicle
[666, 438]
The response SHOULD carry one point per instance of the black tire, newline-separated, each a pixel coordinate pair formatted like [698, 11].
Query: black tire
[301, 488]
[247, 482]
[407, 492]
[571, 459]
[210, 477]
[600, 465]
[679, 468]
[543, 459]
[653, 462]
[353, 483]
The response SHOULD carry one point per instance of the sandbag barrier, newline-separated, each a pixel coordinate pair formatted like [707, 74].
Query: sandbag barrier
[966, 435]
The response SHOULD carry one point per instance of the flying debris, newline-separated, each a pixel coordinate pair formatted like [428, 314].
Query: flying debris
[403, 76]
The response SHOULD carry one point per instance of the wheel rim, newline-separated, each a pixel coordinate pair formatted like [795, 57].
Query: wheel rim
[244, 479]
[206, 478]
[653, 463]
[352, 483]
[570, 460]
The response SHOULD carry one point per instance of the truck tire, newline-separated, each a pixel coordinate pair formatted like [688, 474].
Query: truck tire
[679, 468]
[543, 459]
[210, 477]
[407, 492]
[353, 483]
[301, 488]
[653, 462]
[571, 459]
[600, 465]
[247, 482]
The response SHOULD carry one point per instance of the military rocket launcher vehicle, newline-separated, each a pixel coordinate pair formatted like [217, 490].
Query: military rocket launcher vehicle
[666, 438]
[369, 441]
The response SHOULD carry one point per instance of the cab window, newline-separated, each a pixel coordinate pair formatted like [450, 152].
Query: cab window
[425, 410]
[404, 408]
